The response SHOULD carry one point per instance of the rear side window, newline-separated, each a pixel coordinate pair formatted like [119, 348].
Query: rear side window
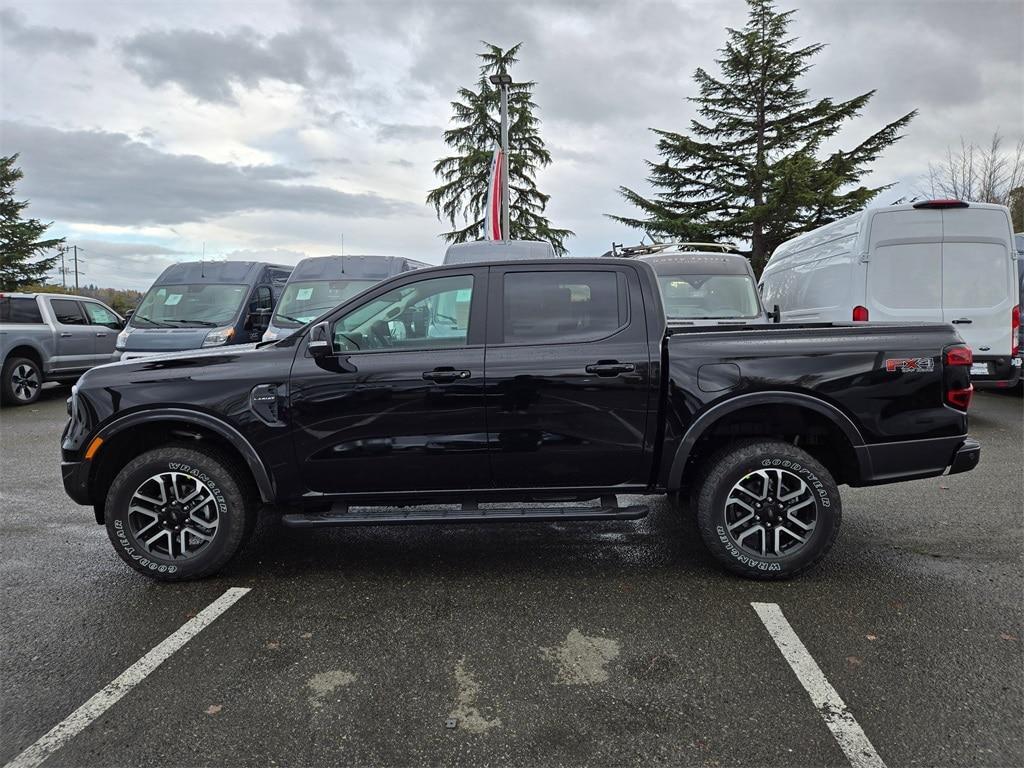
[19, 311]
[554, 307]
[68, 312]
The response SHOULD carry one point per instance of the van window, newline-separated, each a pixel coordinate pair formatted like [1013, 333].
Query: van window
[304, 300]
[19, 310]
[708, 296]
[973, 274]
[906, 276]
[68, 312]
[428, 314]
[555, 307]
[195, 305]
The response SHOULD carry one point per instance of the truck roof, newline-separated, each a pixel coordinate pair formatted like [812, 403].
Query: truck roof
[214, 271]
[357, 266]
[35, 294]
[698, 263]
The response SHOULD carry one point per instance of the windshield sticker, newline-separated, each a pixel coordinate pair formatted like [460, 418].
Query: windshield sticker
[304, 294]
[172, 299]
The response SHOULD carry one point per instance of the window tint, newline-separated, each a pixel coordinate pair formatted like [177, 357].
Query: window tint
[68, 312]
[429, 314]
[19, 311]
[544, 307]
[100, 315]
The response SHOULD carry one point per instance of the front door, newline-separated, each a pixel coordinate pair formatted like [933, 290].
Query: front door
[105, 326]
[76, 344]
[399, 406]
[569, 381]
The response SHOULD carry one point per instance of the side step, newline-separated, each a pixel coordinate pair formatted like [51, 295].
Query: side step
[469, 513]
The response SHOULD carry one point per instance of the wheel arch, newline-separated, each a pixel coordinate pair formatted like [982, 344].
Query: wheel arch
[823, 413]
[26, 350]
[142, 430]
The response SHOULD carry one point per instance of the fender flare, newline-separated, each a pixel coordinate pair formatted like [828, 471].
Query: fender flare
[707, 420]
[264, 482]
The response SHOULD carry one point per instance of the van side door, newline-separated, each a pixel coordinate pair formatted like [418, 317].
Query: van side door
[569, 383]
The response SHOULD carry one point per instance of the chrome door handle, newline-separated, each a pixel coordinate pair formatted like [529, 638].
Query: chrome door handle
[963, 321]
[65, 335]
[101, 335]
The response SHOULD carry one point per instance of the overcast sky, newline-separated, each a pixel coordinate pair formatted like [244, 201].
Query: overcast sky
[147, 129]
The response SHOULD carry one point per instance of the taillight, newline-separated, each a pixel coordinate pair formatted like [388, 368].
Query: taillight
[1014, 331]
[960, 398]
[959, 356]
[860, 314]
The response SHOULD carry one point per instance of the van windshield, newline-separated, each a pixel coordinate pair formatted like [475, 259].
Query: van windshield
[306, 300]
[707, 297]
[199, 305]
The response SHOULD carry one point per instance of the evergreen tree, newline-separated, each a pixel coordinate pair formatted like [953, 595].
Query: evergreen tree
[749, 168]
[19, 238]
[462, 196]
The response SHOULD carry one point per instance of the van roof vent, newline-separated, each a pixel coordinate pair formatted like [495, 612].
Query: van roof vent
[942, 204]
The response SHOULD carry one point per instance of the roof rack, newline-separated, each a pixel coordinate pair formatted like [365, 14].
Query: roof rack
[646, 249]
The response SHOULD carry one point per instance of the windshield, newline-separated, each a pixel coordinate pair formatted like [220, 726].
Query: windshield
[189, 306]
[707, 297]
[306, 300]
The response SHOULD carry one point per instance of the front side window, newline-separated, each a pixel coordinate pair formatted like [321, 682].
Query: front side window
[100, 315]
[706, 297]
[190, 306]
[308, 299]
[429, 314]
[68, 312]
[556, 307]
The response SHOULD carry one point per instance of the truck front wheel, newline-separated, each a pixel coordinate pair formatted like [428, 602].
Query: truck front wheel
[177, 513]
[767, 510]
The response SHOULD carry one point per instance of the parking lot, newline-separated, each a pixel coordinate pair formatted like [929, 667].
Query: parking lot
[534, 644]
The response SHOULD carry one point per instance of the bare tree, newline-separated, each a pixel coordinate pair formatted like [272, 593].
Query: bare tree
[991, 174]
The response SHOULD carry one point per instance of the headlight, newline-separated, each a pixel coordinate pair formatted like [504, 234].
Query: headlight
[218, 336]
[122, 339]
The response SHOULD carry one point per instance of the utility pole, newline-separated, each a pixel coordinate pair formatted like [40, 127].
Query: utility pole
[75, 249]
[63, 269]
[503, 81]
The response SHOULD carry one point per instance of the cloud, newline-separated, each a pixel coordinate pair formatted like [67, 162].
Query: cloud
[407, 132]
[16, 34]
[210, 65]
[108, 178]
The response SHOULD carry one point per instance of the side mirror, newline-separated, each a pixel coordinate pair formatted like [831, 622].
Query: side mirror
[319, 343]
[776, 314]
[128, 315]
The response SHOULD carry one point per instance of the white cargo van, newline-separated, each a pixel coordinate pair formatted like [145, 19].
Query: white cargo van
[935, 260]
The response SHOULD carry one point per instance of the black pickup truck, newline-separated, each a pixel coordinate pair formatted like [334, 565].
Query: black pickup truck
[442, 394]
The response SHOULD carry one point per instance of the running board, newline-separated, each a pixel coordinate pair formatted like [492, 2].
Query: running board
[339, 515]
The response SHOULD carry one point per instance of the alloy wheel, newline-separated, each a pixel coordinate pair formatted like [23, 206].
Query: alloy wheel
[173, 516]
[25, 382]
[770, 513]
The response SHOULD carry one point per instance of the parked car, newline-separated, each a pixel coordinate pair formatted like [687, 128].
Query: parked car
[321, 283]
[703, 287]
[539, 381]
[497, 250]
[933, 261]
[203, 304]
[51, 337]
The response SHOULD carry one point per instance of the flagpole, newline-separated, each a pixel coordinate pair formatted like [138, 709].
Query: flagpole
[503, 81]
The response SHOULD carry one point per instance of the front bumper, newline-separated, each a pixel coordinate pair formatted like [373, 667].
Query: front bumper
[995, 372]
[75, 475]
[916, 459]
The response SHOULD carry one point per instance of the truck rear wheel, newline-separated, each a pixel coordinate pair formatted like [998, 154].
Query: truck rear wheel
[767, 510]
[22, 381]
[177, 513]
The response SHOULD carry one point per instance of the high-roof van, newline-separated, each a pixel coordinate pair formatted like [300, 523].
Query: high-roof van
[935, 260]
[321, 283]
[497, 250]
[203, 304]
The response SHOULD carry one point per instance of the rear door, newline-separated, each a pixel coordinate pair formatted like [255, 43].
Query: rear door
[568, 377]
[904, 270]
[978, 277]
[75, 340]
[105, 326]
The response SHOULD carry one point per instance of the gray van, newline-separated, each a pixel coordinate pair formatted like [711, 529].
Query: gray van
[321, 283]
[497, 250]
[203, 304]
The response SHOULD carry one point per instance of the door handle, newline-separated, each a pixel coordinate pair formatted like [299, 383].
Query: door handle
[445, 375]
[101, 335]
[610, 368]
[65, 335]
[963, 321]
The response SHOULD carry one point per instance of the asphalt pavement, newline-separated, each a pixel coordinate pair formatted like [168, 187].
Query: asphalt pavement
[539, 644]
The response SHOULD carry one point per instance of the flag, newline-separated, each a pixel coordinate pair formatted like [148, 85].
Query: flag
[492, 216]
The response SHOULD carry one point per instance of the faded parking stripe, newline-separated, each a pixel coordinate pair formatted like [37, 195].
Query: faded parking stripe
[826, 700]
[80, 719]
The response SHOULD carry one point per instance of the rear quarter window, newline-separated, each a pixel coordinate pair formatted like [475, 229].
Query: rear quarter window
[19, 311]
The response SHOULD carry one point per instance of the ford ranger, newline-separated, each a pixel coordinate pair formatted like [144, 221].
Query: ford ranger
[498, 392]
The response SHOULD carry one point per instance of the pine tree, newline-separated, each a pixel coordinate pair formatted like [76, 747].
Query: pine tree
[19, 238]
[462, 196]
[749, 168]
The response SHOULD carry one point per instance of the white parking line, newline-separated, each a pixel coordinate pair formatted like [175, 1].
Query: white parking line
[80, 719]
[826, 700]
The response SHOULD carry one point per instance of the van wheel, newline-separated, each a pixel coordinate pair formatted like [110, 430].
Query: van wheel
[22, 381]
[178, 513]
[767, 510]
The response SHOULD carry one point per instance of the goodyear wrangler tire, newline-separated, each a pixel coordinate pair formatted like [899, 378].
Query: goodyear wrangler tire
[177, 513]
[767, 510]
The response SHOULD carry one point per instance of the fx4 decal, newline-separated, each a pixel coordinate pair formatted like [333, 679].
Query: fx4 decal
[909, 365]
